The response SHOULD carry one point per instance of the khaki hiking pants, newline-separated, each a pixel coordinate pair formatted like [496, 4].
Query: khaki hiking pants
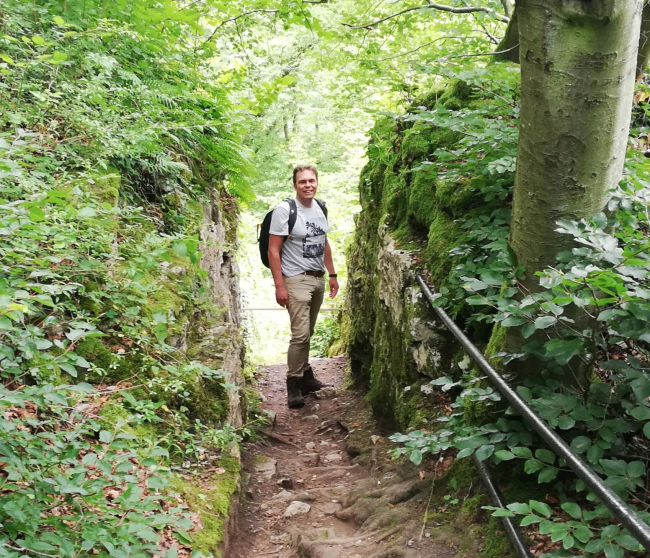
[305, 299]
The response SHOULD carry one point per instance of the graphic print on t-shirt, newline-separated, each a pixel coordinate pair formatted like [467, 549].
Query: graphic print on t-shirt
[313, 244]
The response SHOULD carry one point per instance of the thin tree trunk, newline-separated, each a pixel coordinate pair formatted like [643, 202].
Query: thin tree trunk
[509, 45]
[578, 63]
[644, 41]
[508, 7]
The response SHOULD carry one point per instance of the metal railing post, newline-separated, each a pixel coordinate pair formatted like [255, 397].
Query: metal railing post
[630, 520]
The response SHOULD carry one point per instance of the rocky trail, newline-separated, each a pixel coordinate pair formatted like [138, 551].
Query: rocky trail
[321, 485]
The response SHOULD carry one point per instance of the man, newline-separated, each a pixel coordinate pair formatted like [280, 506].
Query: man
[298, 262]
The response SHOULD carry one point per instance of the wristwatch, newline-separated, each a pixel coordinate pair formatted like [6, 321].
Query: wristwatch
[333, 275]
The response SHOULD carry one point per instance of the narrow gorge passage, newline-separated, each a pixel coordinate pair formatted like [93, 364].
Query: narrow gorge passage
[321, 485]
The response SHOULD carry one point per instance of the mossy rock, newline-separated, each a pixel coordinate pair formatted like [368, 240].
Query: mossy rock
[116, 367]
[113, 413]
[212, 499]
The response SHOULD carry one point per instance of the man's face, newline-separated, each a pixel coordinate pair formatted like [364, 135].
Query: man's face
[306, 184]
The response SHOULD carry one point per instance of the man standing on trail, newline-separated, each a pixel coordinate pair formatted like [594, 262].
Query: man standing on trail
[298, 260]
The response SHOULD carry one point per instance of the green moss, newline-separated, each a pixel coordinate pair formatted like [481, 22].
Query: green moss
[443, 236]
[165, 301]
[456, 96]
[212, 500]
[496, 543]
[422, 198]
[496, 345]
[459, 197]
[93, 350]
[106, 187]
[113, 413]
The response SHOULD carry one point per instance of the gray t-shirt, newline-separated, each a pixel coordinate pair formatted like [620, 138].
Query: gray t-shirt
[305, 249]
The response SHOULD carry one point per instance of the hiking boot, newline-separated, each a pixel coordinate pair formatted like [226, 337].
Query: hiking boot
[294, 395]
[309, 384]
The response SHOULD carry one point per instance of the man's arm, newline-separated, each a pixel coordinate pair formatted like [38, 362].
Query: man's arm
[329, 265]
[275, 246]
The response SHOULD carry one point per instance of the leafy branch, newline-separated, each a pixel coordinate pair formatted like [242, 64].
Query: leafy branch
[434, 6]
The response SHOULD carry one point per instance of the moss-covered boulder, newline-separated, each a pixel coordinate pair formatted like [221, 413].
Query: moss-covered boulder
[411, 218]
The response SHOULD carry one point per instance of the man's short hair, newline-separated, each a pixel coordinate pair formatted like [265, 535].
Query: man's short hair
[304, 168]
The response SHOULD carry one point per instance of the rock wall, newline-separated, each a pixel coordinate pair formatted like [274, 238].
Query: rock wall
[409, 220]
[396, 342]
[222, 339]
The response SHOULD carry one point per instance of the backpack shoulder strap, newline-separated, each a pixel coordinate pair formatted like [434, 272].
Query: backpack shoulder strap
[293, 213]
[322, 205]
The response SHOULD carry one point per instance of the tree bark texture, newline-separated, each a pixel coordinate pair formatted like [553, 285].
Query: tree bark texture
[644, 41]
[578, 65]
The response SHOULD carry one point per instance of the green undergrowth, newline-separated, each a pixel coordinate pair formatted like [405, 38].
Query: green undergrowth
[434, 187]
[117, 147]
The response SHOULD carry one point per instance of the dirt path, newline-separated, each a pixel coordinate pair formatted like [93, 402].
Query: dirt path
[321, 485]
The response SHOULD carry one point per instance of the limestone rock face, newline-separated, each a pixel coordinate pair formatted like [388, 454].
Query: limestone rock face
[397, 343]
[221, 340]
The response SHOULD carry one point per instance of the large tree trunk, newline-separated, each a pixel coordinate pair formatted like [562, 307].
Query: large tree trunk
[578, 65]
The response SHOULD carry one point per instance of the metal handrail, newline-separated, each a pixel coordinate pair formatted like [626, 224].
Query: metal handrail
[630, 520]
[516, 538]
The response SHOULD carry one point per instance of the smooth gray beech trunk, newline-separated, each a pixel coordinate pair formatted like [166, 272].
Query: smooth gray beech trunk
[578, 63]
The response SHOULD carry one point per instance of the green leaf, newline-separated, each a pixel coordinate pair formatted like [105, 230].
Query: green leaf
[58, 20]
[613, 467]
[541, 508]
[180, 248]
[613, 551]
[545, 321]
[416, 456]
[465, 453]
[563, 351]
[519, 508]
[533, 465]
[86, 212]
[568, 542]
[528, 330]
[580, 444]
[641, 413]
[636, 469]
[502, 512]
[513, 321]
[547, 474]
[572, 509]
[595, 454]
[36, 214]
[525, 393]
[522, 452]
[565, 423]
[504, 455]
[158, 483]
[546, 456]
[105, 437]
[484, 452]
[529, 520]
[629, 542]
[59, 57]
[183, 536]
[641, 388]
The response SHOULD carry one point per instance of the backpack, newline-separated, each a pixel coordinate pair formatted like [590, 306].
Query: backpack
[263, 229]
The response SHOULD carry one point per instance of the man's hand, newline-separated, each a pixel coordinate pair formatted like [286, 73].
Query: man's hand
[334, 287]
[281, 295]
